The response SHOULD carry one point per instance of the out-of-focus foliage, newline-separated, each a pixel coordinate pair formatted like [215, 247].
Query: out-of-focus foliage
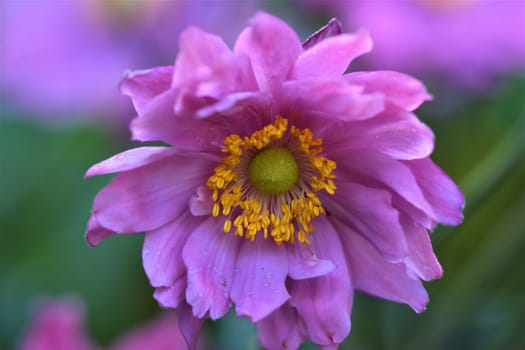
[478, 304]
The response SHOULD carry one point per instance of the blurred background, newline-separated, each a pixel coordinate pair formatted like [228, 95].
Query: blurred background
[60, 64]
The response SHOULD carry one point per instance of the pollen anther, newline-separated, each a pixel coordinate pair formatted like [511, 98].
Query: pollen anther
[282, 213]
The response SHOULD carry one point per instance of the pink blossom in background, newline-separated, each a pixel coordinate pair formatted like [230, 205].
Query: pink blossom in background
[286, 185]
[59, 325]
[463, 42]
[60, 60]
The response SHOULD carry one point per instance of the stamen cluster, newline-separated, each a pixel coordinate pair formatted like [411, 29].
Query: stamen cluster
[251, 210]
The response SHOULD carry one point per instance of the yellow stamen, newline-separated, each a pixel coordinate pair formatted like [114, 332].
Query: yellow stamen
[285, 217]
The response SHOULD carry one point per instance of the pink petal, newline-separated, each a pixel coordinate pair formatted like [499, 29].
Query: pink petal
[421, 259]
[332, 56]
[210, 257]
[370, 167]
[374, 275]
[273, 48]
[332, 28]
[280, 330]
[201, 203]
[130, 159]
[304, 263]
[198, 52]
[149, 197]
[441, 192]
[189, 325]
[324, 303]
[162, 250]
[172, 296]
[369, 212]
[332, 98]
[158, 122]
[397, 134]
[95, 233]
[234, 103]
[258, 285]
[142, 86]
[400, 89]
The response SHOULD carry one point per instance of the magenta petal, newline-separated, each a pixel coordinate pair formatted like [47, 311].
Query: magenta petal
[149, 197]
[324, 303]
[332, 28]
[210, 257]
[440, 191]
[258, 285]
[130, 159]
[171, 296]
[400, 89]
[273, 48]
[332, 56]
[280, 330]
[332, 98]
[189, 325]
[96, 233]
[376, 167]
[303, 263]
[369, 212]
[201, 203]
[162, 250]
[395, 133]
[144, 85]
[374, 275]
[421, 259]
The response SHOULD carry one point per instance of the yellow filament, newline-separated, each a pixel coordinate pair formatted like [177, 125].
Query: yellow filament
[289, 217]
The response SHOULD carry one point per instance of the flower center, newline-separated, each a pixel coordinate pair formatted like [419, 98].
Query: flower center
[268, 183]
[273, 170]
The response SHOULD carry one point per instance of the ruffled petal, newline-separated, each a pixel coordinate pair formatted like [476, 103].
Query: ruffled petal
[441, 192]
[331, 98]
[210, 257]
[421, 259]
[162, 250]
[374, 275]
[273, 48]
[324, 303]
[171, 296]
[189, 325]
[304, 263]
[373, 168]
[369, 212]
[149, 197]
[332, 56]
[395, 133]
[158, 122]
[131, 159]
[281, 330]
[142, 86]
[95, 233]
[332, 28]
[258, 284]
[400, 89]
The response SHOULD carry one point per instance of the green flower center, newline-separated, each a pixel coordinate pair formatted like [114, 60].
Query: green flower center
[273, 170]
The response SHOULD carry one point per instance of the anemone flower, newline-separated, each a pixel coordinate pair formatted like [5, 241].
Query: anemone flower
[285, 184]
[466, 43]
[61, 59]
[59, 325]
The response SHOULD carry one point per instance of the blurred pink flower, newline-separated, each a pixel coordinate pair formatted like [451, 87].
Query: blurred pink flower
[465, 42]
[59, 325]
[326, 175]
[60, 59]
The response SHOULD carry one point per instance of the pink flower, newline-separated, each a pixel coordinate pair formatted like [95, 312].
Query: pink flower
[287, 184]
[59, 325]
[466, 42]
